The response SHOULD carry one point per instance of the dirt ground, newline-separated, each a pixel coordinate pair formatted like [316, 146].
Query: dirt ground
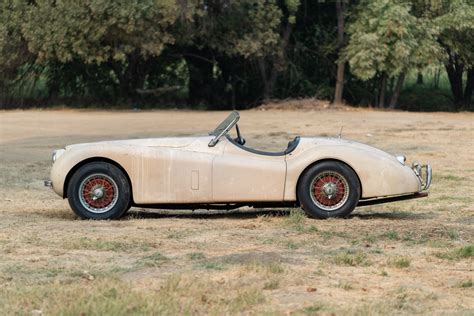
[400, 258]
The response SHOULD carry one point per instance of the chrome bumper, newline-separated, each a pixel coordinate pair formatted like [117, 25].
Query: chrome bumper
[424, 173]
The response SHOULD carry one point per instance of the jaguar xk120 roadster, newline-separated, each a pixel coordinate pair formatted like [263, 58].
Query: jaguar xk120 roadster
[327, 177]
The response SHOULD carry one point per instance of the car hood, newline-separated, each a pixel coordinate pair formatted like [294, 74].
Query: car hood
[329, 141]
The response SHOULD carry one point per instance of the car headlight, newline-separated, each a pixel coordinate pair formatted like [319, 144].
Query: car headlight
[402, 159]
[56, 154]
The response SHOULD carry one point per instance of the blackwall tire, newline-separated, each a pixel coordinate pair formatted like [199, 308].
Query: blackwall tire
[99, 190]
[328, 189]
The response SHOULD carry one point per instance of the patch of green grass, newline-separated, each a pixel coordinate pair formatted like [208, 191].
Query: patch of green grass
[271, 285]
[448, 177]
[400, 263]
[454, 198]
[312, 229]
[178, 234]
[292, 245]
[327, 235]
[266, 267]
[345, 285]
[36, 275]
[350, 258]
[213, 265]
[466, 284]
[370, 238]
[196, 255]
[458, 254]
[436, 243]
[105, 297]
[245, 299]
[453, 234]
[313, 309]
[392, 235]
[296, 220]
[377, 251]
[85, 243]
[154, 260]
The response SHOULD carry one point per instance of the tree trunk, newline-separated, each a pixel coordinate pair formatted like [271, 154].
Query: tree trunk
[131, 76]
[200, 78]
[340, 10]
[396, 92]
[270, 77]
[455, 69]
[419, 78]
[383, 87]
[267, 89]
[468, 89]
[436, 77]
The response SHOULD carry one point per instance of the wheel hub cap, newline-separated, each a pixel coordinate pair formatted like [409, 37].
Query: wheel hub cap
[98, 193]
[329, 190]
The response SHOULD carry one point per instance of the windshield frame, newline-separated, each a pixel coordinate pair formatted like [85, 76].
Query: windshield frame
[224, 127]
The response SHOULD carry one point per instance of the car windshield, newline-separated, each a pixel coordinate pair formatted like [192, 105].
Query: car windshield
[226, 124]
[223, 128]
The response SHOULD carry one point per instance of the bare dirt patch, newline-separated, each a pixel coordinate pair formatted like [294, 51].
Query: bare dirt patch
[406, 257]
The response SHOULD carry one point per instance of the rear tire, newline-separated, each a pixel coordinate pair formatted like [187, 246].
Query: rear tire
[328, 189]
[99, 190]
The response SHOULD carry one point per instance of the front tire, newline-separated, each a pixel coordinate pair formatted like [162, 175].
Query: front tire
[328, 189]
[99, 190]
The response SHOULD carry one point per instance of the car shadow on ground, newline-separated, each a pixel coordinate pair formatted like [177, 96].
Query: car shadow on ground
[392, 215]
[200, 214]
[248, 214]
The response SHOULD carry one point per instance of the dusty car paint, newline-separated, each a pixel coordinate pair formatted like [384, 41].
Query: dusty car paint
[187, 170]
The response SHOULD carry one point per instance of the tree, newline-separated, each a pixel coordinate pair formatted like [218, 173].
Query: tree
[386, 39]
[124, 35]
[455, 20]
[14, 52]
[220, 35]
[340, 11]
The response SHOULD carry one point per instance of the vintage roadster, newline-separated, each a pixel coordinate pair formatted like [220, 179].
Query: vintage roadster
[327, 177]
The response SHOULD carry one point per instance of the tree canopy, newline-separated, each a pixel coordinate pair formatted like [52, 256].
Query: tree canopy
[231, 54]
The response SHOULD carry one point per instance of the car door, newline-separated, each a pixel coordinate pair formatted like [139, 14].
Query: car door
[242, 176]
[167, 174]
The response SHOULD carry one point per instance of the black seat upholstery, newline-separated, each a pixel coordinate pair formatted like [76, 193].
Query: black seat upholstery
[291, 147]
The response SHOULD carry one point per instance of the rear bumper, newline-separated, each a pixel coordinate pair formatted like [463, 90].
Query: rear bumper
[392, 199]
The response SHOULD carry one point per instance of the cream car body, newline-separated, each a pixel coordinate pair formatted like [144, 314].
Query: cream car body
[217, 170]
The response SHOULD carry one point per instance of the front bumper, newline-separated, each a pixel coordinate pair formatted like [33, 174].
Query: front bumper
[424, 174]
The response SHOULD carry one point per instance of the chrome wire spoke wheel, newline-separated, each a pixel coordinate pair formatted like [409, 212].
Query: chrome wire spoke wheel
[329, 190]
[98, 193]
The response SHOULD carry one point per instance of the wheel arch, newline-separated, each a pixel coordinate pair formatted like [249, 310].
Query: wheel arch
[326, 160]
[95, 159]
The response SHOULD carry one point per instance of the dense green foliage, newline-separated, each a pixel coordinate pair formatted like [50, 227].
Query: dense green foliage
[224, 54]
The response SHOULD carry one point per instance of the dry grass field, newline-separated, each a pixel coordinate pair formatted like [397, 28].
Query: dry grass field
[400, 258]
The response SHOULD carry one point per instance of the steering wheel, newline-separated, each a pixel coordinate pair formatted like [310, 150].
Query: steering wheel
[239, 138]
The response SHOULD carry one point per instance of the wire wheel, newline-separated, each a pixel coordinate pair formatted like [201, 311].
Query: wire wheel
[329, 190]
[98, 193]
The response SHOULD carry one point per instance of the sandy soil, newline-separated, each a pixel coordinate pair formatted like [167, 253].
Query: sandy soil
[406, 257]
